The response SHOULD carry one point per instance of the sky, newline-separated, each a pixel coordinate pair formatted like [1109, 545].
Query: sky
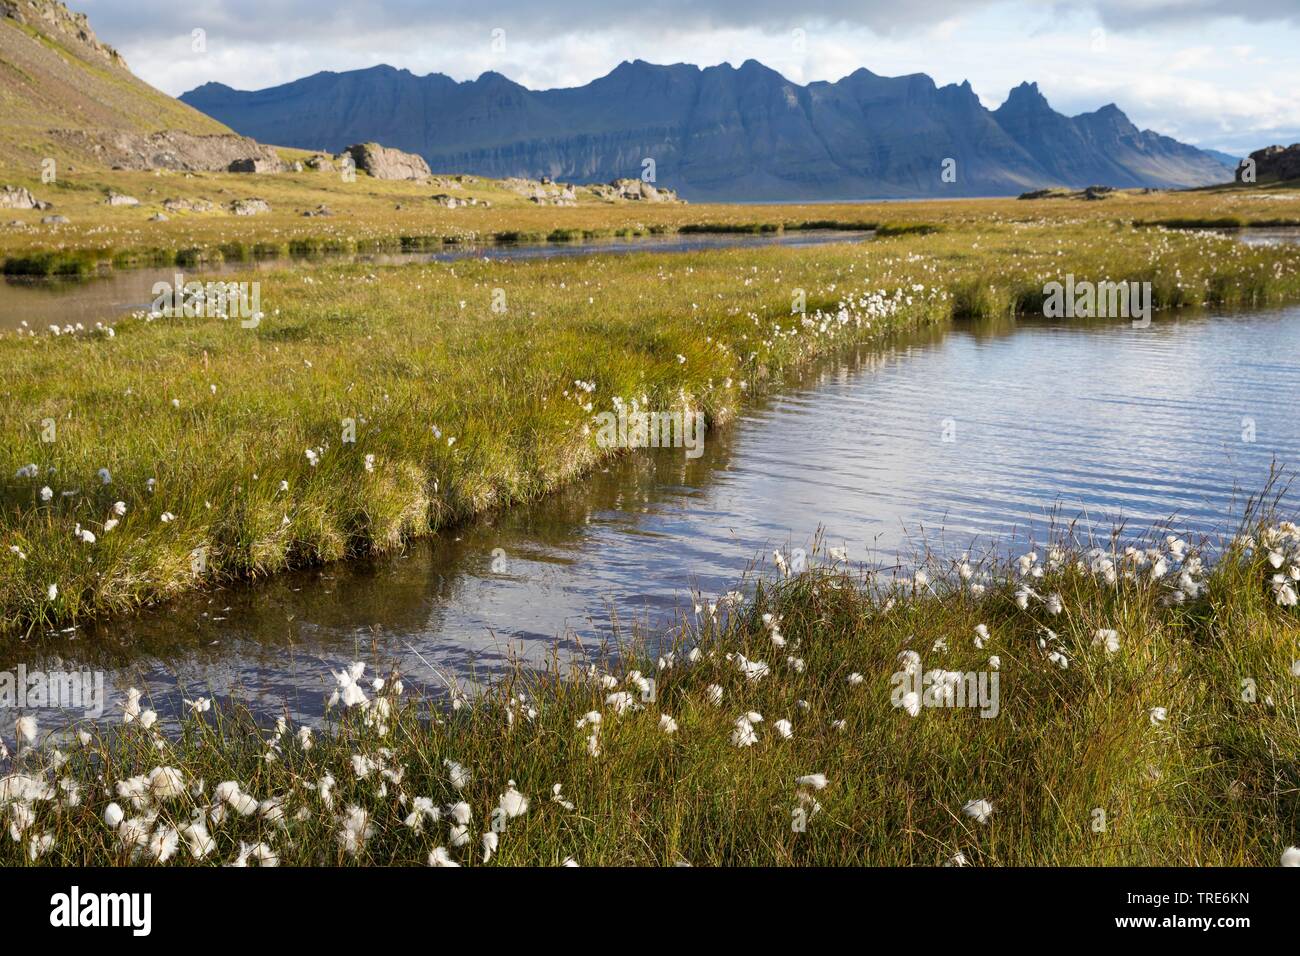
[1220, 74]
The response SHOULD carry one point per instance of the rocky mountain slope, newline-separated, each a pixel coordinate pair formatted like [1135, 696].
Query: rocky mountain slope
[64, 92]
[721, 133]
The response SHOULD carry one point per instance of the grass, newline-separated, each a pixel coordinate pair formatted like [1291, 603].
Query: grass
[461, 384]
[1172, 746]
[376, 214]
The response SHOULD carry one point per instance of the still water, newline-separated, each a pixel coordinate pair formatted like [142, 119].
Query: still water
[1046, 421]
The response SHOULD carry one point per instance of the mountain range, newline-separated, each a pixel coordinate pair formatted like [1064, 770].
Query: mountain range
[722, 133]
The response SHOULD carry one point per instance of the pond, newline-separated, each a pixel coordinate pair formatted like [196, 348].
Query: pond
[969, 438]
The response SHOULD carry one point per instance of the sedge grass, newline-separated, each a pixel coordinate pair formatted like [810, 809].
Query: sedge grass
[202, 428]
[1144, 750]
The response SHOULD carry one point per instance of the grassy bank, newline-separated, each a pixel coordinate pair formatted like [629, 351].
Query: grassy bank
[370, 215]
[369, 406]
[1146, 712]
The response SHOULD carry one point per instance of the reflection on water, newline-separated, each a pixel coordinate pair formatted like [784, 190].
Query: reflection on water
[44, 302]
[1274, 236]
[1093, 421]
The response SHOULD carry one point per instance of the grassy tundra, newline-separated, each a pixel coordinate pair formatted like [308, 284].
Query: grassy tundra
[369, 406]
[1146, 712]
[371, 215]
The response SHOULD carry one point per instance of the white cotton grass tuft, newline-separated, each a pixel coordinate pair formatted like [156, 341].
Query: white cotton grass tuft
[513, 803]
[26, 729]
[784, 728]
[1158, 715]
[460, 777]
[667, 724]
[744, 734]
[1107, 639]
[816, 781]
[349, 689]
[490, 843]
[1291, 856]
[978, 810]
[911, 703]
[113, 815]
[439, 856]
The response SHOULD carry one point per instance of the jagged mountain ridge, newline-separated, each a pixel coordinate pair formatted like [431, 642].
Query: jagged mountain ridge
[720, 132]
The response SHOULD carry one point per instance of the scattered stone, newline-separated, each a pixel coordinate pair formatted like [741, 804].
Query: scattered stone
[320, 164]
[381, 162]
[117, 199]
[188, 205]
[321, 210]
[635, 190]
[158, 217]
[451, 202]
[55, 220]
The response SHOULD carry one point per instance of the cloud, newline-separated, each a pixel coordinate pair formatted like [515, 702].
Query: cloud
[300, 20]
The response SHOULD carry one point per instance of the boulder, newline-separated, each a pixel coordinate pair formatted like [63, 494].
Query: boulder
[16, 197]
[255, 164]
[382, 162]
[249, 207]
[117, 199]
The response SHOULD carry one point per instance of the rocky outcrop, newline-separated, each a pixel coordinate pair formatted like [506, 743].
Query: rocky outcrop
[384, 163]
[55, 19]
[634, 190]
[1273, 164]
[723, 133]
[168, 149]
[17, 197]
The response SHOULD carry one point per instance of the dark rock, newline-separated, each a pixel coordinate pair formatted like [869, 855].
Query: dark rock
[1274, 164]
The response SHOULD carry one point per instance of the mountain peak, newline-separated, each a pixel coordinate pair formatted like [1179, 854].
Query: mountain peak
[1026, 96]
